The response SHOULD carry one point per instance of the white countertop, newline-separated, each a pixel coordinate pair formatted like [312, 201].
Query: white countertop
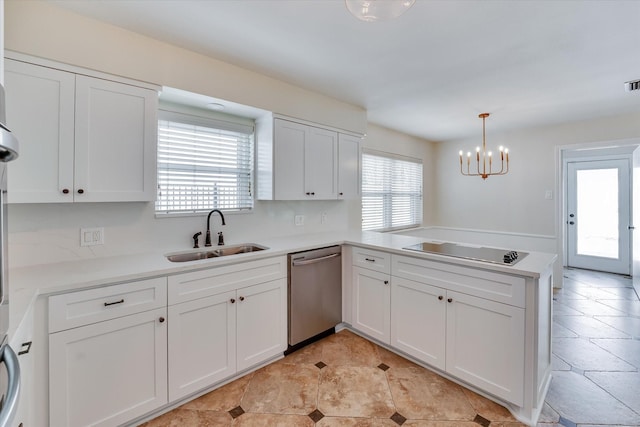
[45, 279]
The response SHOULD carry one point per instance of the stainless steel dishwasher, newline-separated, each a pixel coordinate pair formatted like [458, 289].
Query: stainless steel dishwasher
[315, 293]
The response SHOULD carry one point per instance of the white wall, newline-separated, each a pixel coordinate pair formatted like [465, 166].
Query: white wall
[51, 232]
[386, 140]
[39, 28]
[516, 202]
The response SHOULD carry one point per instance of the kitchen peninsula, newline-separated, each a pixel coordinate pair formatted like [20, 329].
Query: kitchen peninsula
[486, 326]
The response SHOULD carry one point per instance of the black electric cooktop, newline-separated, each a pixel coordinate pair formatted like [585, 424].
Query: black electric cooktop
[478, 253]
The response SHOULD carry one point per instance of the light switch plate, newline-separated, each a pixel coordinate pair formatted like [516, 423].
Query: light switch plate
[299, 219]
[91, 236]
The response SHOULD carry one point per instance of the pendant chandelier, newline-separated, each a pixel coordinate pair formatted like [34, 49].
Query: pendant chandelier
[378, 10]
[487, 157]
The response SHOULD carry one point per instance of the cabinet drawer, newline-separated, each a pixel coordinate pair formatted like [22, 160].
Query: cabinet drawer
[204, 283]
[472, 281]
[75, 309]
[372, 260]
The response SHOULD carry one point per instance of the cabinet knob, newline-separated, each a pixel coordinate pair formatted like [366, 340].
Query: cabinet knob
[440, 297]
[80, 191]
[232, 300]
[386, 282]
[449, 299]
[241, 298]
[341, 193]
[161, 320]
[65, 191]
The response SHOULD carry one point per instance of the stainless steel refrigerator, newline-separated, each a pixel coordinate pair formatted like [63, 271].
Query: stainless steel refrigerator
[9, 366]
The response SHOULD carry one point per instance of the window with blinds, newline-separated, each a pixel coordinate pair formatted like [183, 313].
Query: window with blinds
[203, 164]
[391, 191]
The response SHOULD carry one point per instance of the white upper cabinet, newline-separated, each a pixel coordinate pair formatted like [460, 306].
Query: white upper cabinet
[299, 161]
[348, 167]
[82, 139]
[116, 135]
[305, 162]
[40, 112]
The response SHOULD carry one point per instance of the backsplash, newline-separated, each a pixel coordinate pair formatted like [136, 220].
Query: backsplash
[48, 233]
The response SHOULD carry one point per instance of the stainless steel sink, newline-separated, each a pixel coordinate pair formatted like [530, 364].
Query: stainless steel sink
[216, 253]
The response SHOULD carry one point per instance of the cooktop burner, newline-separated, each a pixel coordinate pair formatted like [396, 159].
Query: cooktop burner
[478, 253]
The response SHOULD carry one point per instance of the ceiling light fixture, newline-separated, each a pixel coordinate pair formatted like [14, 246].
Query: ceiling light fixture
[378, 10]
[486, 156]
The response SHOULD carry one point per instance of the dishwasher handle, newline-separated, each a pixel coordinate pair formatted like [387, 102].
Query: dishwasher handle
[314, 260]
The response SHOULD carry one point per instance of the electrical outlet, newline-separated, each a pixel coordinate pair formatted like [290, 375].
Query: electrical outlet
[91, 236]
[299, 219]
[548, 195]
[323, 218]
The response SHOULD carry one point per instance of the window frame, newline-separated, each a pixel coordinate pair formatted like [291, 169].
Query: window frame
[224, 122]
[387, 194]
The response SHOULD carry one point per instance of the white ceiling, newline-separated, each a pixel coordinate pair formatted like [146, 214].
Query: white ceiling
[430, 72]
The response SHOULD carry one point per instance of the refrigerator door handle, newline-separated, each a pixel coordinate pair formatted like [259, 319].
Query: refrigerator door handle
[10, 360]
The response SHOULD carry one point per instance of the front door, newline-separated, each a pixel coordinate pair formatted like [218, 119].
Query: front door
[598, 215]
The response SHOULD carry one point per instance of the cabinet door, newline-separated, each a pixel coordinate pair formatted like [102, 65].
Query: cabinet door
[110, 372]
[116, 135]
[261, 322]
[485, 345]
[418, 316]
[371, 312]
[40, 112]
[202, 343]
[348, 167]
[289, 146]
[321, 164]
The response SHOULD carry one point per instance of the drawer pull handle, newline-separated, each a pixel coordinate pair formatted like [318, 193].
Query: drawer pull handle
[370, 260]
[440, 297]
[241, 298]
[449, 299]
[107, 304]
[161, 320]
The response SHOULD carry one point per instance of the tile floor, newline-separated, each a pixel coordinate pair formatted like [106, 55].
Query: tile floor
[342, 380]
[596, 353]
[345, 380]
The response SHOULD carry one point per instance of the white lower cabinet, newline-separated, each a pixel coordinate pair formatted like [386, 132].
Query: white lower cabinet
[225, 320]
[261, 322]
[202, 343]
[213, 338]
[371, 303]
[118, 353]
[108, 373]
[418, 320]
[475, 339]
[485, 345]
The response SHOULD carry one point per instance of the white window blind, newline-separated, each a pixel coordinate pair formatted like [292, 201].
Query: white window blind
[203, 164]
[391, 191]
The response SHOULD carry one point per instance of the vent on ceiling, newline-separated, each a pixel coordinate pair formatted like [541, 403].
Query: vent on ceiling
[632, 86]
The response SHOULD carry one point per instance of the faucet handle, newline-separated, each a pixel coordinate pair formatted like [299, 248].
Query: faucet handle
[220, 238]
[195, 239]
